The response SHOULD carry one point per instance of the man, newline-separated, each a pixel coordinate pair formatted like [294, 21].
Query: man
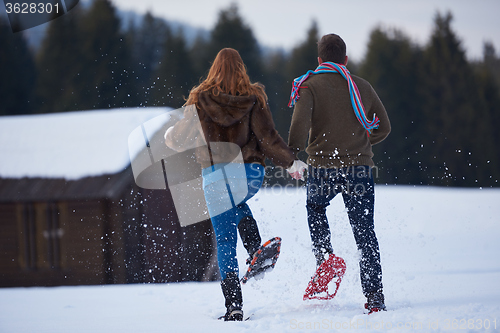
[343, 117]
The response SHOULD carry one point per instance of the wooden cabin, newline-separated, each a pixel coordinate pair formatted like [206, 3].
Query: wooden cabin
[70, 217]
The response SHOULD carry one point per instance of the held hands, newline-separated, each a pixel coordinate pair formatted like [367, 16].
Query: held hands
[297, 169]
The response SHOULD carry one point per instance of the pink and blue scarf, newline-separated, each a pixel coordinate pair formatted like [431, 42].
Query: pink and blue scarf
[357, 104]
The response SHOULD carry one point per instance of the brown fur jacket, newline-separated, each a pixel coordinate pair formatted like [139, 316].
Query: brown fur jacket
[240, 120]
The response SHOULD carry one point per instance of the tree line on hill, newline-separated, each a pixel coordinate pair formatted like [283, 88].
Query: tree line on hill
[444, 109]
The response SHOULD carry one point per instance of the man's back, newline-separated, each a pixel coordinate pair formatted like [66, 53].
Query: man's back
[324, 111]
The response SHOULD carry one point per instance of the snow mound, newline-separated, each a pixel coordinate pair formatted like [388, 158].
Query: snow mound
[69, 145]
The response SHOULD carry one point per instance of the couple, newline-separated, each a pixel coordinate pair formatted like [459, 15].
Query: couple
[332, 109]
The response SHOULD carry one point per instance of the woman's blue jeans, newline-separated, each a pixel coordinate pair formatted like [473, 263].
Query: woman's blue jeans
[227, 188]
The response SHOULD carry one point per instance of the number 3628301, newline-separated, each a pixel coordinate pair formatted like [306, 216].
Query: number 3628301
[31, 8]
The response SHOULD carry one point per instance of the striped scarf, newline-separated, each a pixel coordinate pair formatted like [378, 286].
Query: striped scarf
[357, 104]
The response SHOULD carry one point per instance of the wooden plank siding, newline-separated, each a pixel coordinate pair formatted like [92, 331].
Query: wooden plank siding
[119, 234]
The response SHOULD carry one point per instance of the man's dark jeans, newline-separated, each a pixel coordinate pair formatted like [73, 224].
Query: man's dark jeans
[356, 185]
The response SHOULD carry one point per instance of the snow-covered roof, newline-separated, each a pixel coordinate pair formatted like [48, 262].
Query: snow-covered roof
[70, 145]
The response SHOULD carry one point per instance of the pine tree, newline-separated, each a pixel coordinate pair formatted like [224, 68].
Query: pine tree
[200, 54]
[282, 70]
[17, 73]
[147, 48]
[58, 64]
[304, 57]
[453, 112]
[393, 65]
[231, 31]
[105, 81]
[488, 76]
[174, 77]
[491, 62]
[278, 87]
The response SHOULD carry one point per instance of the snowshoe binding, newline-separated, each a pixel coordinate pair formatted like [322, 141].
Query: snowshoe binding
[233, 314]
[331, 268]
[264, 259]
[375, 302]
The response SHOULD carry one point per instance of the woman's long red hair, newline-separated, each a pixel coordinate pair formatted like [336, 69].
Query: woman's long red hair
[228, 75]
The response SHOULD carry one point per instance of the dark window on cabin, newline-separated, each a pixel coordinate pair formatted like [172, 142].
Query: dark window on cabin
[29, 236]
[41, 239]
[53, 235]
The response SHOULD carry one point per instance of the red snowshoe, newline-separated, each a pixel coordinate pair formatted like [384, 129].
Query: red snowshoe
[331, 268]
[264, 259]
[374, 309]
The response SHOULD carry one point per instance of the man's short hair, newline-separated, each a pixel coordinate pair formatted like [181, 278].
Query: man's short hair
[332, 48]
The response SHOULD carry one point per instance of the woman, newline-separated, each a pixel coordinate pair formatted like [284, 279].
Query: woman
[239, 131]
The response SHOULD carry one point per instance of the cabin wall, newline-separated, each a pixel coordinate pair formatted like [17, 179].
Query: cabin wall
[134, 239]
[47, 244]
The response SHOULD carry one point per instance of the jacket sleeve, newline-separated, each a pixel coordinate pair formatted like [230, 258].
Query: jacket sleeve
[384, 128]
[301, 121]
[269, 140]
[187, 133]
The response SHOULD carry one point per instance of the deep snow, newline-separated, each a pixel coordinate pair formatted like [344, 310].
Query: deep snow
[439, 250]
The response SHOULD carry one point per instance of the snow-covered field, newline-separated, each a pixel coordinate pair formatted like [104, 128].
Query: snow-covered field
[440, 255]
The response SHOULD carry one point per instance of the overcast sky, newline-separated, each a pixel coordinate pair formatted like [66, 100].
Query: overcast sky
[283, 23]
